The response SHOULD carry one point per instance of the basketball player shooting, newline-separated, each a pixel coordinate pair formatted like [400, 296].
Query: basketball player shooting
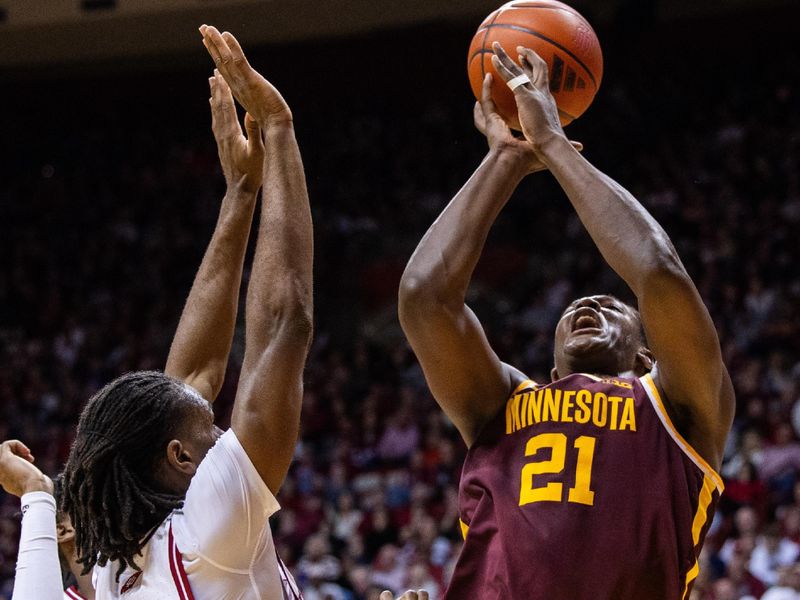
[164, 504]
[600, 484]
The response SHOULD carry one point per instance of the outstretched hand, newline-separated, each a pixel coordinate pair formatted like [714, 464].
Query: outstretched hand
[498, 134]
[258, 96]
[538, 113]
[18, 476]
[409, 595]
[242, 158]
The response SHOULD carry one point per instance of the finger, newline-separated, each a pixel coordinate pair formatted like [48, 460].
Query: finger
[488, 107]
[479, 118]
[224, 120]
[255, 142]
[527, 68]
[423, 595]
[223, 55]
[577, 145]
[202, 29]
[211, 48]
[237, 53]
[19, 449]
[538, 66]
[487, 102]
[386, 595]
[503, 63]
[212, 85]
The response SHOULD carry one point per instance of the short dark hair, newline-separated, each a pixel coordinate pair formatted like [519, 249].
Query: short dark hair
[110, 489]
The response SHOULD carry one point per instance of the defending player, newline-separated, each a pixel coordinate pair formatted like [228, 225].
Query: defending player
[600, 484]
[38, 569]
[46, 553]
[164, 504]
[199, 352]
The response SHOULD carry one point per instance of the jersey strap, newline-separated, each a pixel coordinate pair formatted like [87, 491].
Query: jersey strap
[177, 570]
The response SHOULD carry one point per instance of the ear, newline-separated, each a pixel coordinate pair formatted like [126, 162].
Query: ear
[64, 531]
[643, 361]
[180, 459]
[553, 374]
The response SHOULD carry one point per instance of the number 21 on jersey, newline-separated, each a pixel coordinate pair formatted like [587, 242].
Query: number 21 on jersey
[580, 493]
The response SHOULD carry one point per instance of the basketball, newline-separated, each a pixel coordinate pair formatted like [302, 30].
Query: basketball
[557, 33]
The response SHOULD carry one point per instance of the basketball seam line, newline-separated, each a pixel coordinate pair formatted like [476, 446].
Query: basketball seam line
[534, 34]
[483, 43]
[567, 10]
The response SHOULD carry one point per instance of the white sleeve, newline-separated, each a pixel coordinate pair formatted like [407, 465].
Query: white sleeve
[38, 568]
[227, 508]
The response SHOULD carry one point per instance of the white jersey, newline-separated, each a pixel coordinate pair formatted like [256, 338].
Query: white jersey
[72, 594]
[217, 547]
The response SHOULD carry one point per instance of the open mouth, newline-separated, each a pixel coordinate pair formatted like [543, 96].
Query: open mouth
[586, 318]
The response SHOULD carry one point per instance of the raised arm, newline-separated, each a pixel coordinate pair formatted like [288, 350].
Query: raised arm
[38, 575]
[278, 318]
[464, 374]
[202, 342]
[689, 368]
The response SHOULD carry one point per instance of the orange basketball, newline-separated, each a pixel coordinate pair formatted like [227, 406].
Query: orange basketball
[557, 33]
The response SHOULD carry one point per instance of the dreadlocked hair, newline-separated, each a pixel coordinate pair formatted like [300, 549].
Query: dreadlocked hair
[109, 485]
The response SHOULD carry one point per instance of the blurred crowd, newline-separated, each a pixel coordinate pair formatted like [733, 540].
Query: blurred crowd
[105, 218]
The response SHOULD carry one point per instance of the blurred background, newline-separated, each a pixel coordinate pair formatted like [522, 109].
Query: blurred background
[110, 187]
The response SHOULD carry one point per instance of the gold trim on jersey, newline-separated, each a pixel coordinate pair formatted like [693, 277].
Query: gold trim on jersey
[464, 528]
[700, 519]
[655, 398]
[528, 383]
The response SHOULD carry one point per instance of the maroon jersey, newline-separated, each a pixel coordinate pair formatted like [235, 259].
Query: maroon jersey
[582, 489]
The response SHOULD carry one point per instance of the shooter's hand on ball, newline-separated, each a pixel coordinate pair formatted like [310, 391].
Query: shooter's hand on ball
[258, 96]
[538, 114]
[18, 476]
[498, 133]
[242, 158]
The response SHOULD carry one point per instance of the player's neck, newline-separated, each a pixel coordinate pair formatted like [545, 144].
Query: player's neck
[84, 585]
[84, 582]
[602, 374]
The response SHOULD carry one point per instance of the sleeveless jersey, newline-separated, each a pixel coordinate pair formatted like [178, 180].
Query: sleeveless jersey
[163, 576]
[582, 489]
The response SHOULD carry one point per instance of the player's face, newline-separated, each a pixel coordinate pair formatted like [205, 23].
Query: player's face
[596, 334]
